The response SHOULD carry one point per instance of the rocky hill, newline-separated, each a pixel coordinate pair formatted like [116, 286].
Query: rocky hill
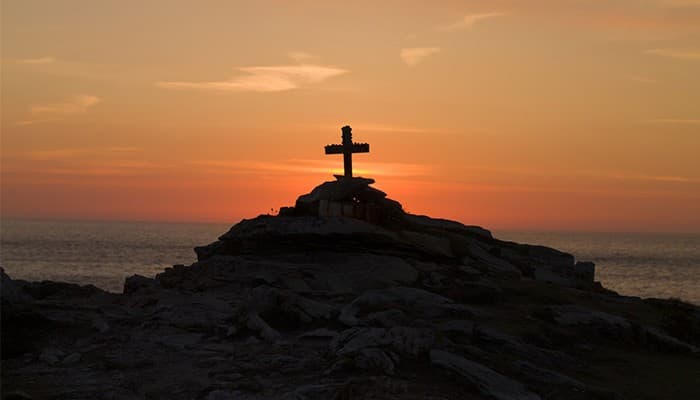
[346, 296]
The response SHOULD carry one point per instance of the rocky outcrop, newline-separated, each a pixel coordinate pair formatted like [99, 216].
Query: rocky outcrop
[365, 302]
[391, 231]
[347, 197]
[487, 381]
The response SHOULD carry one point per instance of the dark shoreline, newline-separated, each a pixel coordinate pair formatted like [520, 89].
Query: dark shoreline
[339, 299]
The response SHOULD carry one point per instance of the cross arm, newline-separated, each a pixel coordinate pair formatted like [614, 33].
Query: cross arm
[360, 147]
[334, 149]
[340, 149]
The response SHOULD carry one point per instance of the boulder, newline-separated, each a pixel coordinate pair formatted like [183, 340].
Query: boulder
[487, 381]
[355, 273]
[431, 244]
[577, 315]
[412, 301]
[492, 264]
[422, 222]
[140, 283]
[11, 292]
[347, 197]
[338, 190]
[584, 271]
[268, 227]
[545, 376]
[71, 359]
[61, 290]
[667, 342]
[373, 359]
[269, 311]
[460, 328]
[51, 356]
[404, 340]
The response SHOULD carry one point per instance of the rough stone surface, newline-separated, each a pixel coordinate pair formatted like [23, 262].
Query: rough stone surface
[489, 382]
[373, 304]
[416, 302]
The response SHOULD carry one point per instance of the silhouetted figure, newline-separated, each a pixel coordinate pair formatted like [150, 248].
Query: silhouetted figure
[346, 149]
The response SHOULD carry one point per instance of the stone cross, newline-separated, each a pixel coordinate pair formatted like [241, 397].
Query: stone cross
[346, 149]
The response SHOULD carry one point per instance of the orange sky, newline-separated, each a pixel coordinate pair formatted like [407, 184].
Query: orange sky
[540, 114]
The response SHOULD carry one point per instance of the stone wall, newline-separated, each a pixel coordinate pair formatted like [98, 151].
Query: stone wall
[364, 211]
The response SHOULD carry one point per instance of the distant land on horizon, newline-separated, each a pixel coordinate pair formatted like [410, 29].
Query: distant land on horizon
[496, 230]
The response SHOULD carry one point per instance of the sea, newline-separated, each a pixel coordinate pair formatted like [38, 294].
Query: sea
[660, 265]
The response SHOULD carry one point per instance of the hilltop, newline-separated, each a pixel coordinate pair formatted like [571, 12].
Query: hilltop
[345, 295]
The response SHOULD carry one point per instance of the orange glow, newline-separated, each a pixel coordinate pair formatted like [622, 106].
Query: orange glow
[506, 114]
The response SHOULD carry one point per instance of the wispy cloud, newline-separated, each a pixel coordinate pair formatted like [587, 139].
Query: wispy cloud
[654, 178]
[265, 79]
[312, 166]
[49, 112]
[72, 153]
[302, 56]
[595, 174]
[677, 121]
[40, 60]
[373, 127]
[104, 170]
[384, 128]
[678, 3]
[414, 55]
[468, 21]
[684, 54]
[27, 122]
[82, 161]
[641, 79]
[77, 104]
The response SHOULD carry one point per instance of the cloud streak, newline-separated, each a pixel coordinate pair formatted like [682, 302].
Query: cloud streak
[313, 167]
[302, 56]
[594, 174]
[677, 121]
[654, 178]
[469, 20]
[414, 55]
[49, 112]
[381, 128]
[73, 153]
[77, 104]
[265, 79]
[683, 54]
[70, 162]
[641, 79]
[40, 60]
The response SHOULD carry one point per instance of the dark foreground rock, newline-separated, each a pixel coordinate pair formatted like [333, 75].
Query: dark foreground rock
[346, 296]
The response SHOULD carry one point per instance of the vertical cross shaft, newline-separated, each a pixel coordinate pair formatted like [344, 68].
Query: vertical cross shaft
[347, 151]
[347, 164]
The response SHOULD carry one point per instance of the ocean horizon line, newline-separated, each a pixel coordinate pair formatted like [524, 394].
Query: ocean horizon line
[493, 229]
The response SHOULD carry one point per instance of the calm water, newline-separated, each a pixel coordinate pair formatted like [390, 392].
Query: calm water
[104, 253]
[100, 253]
[659, 265]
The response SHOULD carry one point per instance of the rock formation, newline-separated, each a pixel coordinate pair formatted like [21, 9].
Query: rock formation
[344, 296]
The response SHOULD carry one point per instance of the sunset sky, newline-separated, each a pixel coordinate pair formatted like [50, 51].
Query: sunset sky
[510, 114]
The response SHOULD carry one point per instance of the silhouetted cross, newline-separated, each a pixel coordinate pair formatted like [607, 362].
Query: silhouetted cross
[346, 149]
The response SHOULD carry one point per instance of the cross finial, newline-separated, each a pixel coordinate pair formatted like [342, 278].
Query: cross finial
[347, 134]
[346, 149]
